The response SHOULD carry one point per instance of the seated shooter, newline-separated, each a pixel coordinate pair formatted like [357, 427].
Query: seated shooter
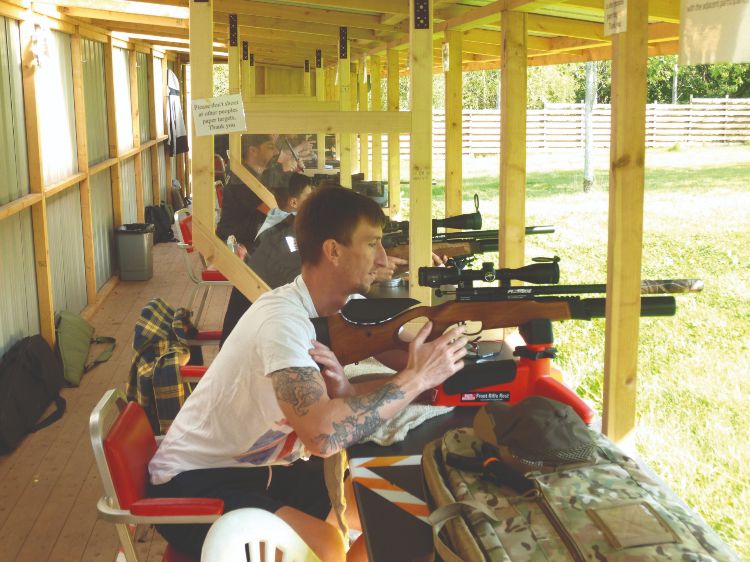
[264, 407]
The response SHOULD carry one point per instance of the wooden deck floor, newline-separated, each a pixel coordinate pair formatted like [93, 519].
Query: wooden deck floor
[49, 485]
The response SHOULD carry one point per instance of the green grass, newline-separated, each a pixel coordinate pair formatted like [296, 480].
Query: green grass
[694, 368]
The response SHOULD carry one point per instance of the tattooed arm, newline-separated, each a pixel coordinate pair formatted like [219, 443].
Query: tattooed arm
[326, 425]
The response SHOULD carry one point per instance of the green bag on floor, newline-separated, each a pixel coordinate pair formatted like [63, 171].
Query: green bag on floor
[74, 338]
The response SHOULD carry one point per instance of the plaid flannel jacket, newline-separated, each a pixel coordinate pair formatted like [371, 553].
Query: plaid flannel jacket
[160, 345]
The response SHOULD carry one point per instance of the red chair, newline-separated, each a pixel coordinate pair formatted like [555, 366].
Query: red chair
[220, 169]
[204, 279]
[123, 445]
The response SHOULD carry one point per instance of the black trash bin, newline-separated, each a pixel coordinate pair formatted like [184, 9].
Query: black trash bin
[135, 243]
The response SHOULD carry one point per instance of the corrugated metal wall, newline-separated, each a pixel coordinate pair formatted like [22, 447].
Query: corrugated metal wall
[14, 180]
[147, 183]
[55, 109]
[65, 233]
[95, 97]
[18, 300]
[144, 117]
[103, 222]
[158, 96]
[121, 71]
[127, 180]
[162, 173]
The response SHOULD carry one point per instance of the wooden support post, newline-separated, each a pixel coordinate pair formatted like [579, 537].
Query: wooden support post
[234, 63]
[513, 140]
[204, 238]
[245, 71]
[394, 141]
[251, 69]
[89, 256]
[453, 124]
[320, 94]
[307, 82]
[376, 105]
[420, 177]
[165, 101]
[109, 79]
[182, 157]
[626, 185]
[155, 193]
[345, 101]
[134, 117]
[36, 185]
[364, 138]
[354, 93]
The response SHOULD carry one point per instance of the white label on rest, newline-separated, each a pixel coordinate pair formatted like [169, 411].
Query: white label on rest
[223, 114]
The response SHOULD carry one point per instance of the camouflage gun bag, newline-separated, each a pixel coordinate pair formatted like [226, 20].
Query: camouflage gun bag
[531, 482]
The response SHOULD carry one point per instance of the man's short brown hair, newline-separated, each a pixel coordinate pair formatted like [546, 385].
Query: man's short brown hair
[332, 213]
[253, 140]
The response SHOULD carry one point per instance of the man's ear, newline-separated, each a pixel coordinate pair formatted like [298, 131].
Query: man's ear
[331, 251]
[293, 203]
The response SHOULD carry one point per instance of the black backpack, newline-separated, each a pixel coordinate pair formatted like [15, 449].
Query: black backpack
[31, 376]
[162, 221]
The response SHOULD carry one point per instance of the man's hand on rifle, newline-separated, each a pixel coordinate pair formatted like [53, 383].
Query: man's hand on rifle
[337, 385]
[435, 361]
[437, 261]
[386, 272]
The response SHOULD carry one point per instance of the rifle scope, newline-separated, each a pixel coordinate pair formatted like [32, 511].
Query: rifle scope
[468, 221]
[538, 273]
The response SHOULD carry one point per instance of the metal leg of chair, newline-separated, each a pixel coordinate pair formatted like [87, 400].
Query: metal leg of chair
[126, 542]
[201, 306]
[193, 295]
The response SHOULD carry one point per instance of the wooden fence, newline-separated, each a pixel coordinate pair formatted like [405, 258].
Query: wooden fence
[561, 126]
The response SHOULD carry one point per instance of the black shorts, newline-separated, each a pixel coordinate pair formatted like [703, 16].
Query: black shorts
[299, 485]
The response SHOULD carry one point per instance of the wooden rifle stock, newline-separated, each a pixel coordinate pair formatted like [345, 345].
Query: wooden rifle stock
[353, 342]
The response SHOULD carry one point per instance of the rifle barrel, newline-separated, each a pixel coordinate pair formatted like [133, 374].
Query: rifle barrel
[586, 309]
[648, 287]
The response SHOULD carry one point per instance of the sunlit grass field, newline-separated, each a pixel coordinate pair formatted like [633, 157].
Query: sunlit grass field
[693, 409]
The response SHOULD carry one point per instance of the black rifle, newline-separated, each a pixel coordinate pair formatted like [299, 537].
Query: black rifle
[548, 271]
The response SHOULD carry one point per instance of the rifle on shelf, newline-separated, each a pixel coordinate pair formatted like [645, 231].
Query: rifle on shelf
[366, 327]
[546, 270]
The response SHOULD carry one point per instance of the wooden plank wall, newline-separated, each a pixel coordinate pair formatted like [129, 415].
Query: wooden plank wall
[561, 126]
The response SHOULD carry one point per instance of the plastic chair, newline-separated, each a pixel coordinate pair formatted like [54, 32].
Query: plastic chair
[123, 445]
[241, 536]
[205, 278]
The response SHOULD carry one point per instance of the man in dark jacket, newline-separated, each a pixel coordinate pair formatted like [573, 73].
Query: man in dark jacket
[241, 213]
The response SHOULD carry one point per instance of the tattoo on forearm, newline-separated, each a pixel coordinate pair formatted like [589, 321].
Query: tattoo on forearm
[364, 421]
[299, 386]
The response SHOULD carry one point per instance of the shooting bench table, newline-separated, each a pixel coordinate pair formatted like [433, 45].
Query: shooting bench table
[389, 490]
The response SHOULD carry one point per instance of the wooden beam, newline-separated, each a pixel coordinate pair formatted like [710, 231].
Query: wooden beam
[126, 17]
[152, 132]
[330, 122]
[344, 147]
[62, 185]
[114, 171]
[308, 14]
[320, 95]
[17, 205]
[626, 186]
[364, 138]
[89, 255]
[42, 267]
[247, 23]
[135, 118]
[394, 141]
[453, 124]
[354, 81]
[513, 95]
[420, 162]
[376, 105]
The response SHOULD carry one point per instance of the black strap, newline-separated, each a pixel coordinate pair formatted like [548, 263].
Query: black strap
[53, 417]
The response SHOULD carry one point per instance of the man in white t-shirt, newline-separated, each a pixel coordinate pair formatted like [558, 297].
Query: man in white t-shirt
[275, 397]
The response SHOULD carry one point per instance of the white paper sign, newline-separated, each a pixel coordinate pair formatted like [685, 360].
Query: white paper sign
[224, 114]
[714, 31]
[615, 16]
